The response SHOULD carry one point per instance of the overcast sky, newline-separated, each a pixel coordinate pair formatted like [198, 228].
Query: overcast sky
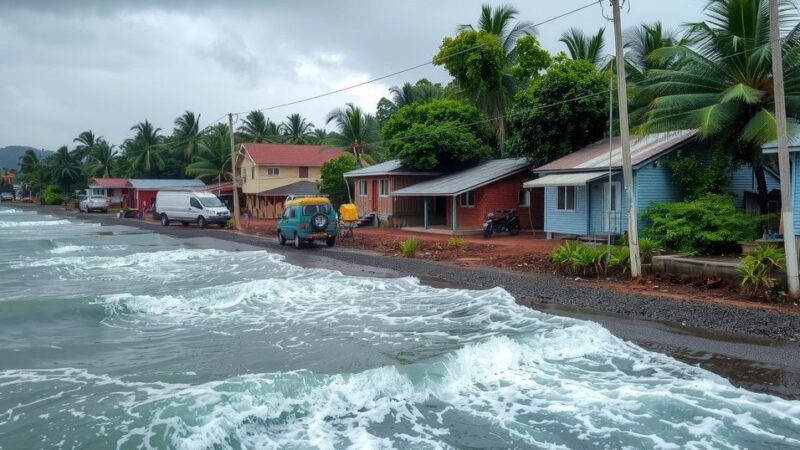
[105, 65]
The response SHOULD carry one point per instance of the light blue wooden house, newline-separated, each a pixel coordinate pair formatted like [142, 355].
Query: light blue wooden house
[584, 191]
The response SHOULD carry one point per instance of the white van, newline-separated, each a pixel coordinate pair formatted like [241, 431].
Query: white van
[189, 206]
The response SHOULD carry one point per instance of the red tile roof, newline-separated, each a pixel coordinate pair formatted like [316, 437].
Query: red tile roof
[109, 182]
[290, 155]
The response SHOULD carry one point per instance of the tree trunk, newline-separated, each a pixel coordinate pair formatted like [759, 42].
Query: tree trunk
[763, 193]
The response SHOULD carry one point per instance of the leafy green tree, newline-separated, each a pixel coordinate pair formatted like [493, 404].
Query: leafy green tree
[319, 136]
[545, 128]
[355, 130]
[144, 150]
[532, 59]
[469, 56]
[257, 128]
[442, 134]
[186, 134]
[422, 91]
[582, 46]
[332, 181]
[296, 130]
[721, 84]
[213, 160]
[86, 142]
[31, 169]
[102, 161]
[63, 168]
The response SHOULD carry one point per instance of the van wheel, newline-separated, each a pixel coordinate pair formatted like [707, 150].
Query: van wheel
[297, 243]
[164, 220]
[184, 223]
[331, 241]
[201, 222]
[281, 239]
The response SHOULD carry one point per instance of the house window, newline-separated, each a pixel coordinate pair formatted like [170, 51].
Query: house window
[383, 188]
[524, 197]
[253, 172]
[362, 188]
[304, 172]
[467, 199]
[244, 175]
[566, 198]
[273, 171]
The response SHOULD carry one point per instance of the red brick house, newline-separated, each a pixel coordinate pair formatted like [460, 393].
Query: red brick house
[372, 189]
[460, 201]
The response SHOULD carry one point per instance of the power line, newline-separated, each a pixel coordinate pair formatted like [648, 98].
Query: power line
[408, 69]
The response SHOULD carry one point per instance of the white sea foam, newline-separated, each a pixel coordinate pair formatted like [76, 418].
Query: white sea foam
[149, 260]
[11, 211]
[64, 249]
[34, 223]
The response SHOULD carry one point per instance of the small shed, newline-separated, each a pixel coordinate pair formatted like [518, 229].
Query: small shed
[144, 191]
[461, 200]
[372, 193]
[271, 201]
[116, 189]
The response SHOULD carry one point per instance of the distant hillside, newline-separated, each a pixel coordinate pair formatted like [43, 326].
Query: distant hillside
[9, 156]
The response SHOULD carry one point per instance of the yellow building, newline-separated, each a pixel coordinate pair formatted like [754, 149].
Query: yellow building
[270, 172]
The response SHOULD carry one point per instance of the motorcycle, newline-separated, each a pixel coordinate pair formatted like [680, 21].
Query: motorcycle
[506, 221]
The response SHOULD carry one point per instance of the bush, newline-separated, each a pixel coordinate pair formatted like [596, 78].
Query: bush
[708, 225]
[53, 195]
[757, 269]
[572, 258]
[619, 259]
[409, 247]
[649, 247]
[231, 224]
[455, 243]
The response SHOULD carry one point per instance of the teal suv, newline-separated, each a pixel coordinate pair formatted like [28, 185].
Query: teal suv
[306, 220]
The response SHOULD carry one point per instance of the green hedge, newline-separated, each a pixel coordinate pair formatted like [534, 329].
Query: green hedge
[53, 195]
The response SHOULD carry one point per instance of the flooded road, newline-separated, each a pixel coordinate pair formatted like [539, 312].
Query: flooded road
[114, 337]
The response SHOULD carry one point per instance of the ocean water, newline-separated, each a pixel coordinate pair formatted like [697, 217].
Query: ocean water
[115, 338]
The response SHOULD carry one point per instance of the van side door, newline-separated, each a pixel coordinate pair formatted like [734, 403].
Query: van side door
[195, 208]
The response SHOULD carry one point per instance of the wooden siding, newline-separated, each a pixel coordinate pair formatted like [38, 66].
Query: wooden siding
[743, 179]
[389, 206]
[566, 222]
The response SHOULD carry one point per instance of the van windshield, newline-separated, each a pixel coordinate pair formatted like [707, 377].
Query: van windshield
[211, 202]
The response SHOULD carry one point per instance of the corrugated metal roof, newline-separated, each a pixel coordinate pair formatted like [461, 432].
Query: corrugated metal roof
[466, 180]
[595, 156]
[297, 188]
[794, 142]
[164, 183]
[565, 179]
[391, 167]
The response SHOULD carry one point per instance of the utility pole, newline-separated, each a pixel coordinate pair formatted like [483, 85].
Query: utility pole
[789, 243]
[233, 172]
[624, 134]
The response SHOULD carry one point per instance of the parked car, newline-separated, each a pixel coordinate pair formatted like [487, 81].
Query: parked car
[94, 203]
[186, 207]
[6, 197]
[306, 220]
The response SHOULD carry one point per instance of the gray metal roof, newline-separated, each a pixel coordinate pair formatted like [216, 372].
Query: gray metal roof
[391, 167]
[466, 180]
[164, 183]
[297, 188]
[794, 141]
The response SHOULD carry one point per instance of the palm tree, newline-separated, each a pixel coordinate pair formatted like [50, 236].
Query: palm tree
[721, 85]
[63, 168]
[213, 159]
[86, 142]
[319, 137]
[144, 150]
[582, 46]
[403, 95]
[186, 134]
[257, 128]
[102, 160]
[494, 102]
[296, 130]
[29, 162]
[355, 130]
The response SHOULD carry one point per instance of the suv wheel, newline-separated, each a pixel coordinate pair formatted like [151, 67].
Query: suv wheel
[164, 220]
[297, 242]
[201, 222]
[281, 239]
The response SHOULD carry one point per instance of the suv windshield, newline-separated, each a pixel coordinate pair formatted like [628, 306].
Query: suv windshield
[310, 210]
[211, 202]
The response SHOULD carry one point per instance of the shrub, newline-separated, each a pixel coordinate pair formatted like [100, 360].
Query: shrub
[572, 258]
[53, 195]
[409, 247]
[619, 259]
[708, 225]
[455, 243]
[757, 269]
[649, 247]
[230, 224]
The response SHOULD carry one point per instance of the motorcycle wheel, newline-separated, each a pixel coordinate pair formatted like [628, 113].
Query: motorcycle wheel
[514, 229]
[487, 232]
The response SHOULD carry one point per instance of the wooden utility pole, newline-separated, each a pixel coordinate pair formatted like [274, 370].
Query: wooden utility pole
[789, 243]
[236, 215]
[624, 134]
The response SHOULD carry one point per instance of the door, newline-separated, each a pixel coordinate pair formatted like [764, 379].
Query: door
[375, 196]
[303, 172]
[611, 207]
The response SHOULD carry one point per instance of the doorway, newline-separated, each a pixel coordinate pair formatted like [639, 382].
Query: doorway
[375, 196]
[611, 203]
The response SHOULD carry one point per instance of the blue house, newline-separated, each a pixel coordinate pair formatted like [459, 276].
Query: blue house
[584, 191]
[794, 160]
